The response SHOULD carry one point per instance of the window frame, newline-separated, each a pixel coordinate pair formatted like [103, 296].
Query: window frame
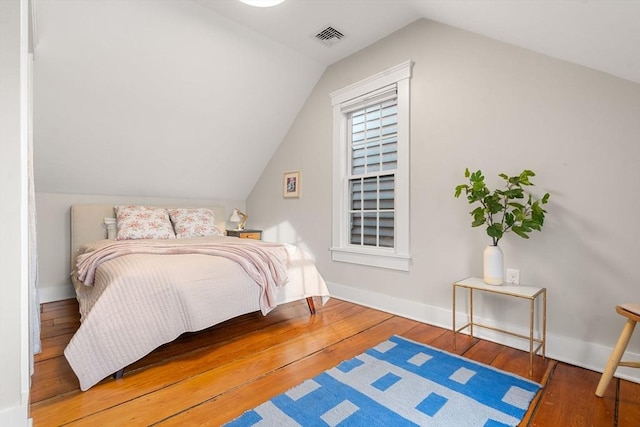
[367, 92]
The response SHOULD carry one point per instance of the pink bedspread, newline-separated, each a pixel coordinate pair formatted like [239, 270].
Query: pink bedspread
[139, 295]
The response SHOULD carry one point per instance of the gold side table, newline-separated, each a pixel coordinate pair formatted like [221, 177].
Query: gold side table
[519, 291]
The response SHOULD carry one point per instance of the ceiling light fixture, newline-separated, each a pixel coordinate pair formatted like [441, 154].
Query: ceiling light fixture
[262, 3]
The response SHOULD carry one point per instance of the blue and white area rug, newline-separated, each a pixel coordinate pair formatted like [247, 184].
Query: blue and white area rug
[400, 383]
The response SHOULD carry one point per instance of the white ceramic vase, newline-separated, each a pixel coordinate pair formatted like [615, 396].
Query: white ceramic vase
[493, 265]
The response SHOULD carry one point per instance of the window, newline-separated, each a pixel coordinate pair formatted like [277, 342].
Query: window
[371, 170]
[373, 140]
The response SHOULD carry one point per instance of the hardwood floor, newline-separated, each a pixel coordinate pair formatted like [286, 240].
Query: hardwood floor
[211, 377]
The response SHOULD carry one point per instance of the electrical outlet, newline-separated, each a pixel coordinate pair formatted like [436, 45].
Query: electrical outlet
[513, 276]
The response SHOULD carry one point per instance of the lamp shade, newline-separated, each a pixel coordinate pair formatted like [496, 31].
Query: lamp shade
[235, 216]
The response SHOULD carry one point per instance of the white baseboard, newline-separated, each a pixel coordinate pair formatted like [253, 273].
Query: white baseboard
[17, 416]
[55, 293]
[576, 352]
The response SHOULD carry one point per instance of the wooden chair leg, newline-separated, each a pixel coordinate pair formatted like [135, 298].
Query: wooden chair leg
[312, 306]
[615, 357]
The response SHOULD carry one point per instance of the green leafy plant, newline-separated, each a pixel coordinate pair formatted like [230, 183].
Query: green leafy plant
[509, 209]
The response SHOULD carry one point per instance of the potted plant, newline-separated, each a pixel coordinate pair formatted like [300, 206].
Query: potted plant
[502, 210]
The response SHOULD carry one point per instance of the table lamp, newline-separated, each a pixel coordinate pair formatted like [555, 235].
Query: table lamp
[239, 217]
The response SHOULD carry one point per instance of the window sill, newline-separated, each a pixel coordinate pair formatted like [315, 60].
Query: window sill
[379, 258]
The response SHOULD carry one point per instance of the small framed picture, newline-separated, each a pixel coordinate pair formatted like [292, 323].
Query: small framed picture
[291, 185]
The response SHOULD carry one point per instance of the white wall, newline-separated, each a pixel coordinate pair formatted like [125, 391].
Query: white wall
[158, 98]
[54, 233]
[487, 105]
[14, 334]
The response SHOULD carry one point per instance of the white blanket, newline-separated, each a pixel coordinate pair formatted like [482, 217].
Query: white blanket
[140, 301]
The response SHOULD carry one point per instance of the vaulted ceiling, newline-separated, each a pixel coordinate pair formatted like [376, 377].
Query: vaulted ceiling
[177, 98]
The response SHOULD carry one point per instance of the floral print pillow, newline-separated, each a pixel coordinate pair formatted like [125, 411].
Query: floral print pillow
[141, 222]
[194, 223]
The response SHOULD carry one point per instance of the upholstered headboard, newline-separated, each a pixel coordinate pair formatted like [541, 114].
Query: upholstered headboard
[87, 224]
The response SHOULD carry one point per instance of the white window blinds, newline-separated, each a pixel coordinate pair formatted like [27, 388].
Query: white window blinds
[373, 141]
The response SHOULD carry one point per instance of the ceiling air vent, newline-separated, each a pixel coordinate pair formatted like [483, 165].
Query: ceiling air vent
[329, 36]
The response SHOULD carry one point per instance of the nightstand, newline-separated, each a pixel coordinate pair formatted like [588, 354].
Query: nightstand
[245, 234]
[530, 293]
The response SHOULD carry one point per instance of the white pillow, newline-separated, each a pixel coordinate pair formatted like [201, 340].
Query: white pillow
[141, 222]
[194, 223]
[112, 231]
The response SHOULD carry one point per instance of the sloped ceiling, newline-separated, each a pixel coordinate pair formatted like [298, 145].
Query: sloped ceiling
[158, 98]
[600, 34]
[178, 98]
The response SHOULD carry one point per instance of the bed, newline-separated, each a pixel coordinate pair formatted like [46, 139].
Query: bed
[137, 294]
